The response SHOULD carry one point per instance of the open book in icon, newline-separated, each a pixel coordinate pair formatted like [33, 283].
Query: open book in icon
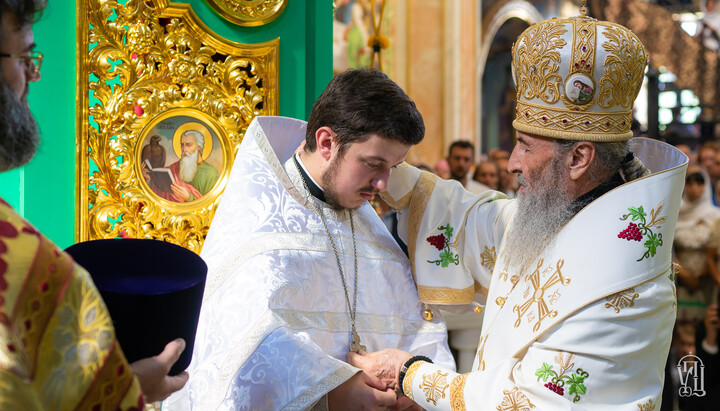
[162, 177]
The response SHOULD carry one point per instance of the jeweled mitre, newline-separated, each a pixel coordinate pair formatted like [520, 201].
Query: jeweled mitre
[577, 79]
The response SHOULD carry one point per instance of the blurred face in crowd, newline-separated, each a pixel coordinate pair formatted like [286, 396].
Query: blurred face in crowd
[715, 170]
[694, 190]
[707, 158]
[497, 154]
[460, 160]
[507, 179]
[687, 151]
[442, 169]
[487, 173]
[684, 339]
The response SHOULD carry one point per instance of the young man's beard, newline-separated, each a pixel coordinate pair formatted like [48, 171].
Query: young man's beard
[19, 134]
[188, 167]
[327, 179]
[543, 209]
[328, 184]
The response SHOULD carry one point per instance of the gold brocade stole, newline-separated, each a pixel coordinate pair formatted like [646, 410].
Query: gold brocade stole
[44, 295]
[36, 275]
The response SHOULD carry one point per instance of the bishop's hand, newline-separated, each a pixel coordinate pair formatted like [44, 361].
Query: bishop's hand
[385, 364]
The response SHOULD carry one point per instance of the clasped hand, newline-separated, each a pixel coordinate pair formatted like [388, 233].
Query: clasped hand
[380, 373]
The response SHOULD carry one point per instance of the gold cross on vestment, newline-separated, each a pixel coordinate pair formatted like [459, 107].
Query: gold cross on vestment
[538, 295]
[355, 346]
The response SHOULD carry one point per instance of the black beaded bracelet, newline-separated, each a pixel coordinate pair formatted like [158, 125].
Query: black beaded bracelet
[408, 363]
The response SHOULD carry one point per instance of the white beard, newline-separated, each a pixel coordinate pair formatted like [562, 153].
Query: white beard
[188, 167]
[541, 213]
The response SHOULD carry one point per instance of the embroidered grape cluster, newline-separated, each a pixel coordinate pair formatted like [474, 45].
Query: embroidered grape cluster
[631, 233]
[437, 241]
[554, 388]
[645, 228]
[442, 243]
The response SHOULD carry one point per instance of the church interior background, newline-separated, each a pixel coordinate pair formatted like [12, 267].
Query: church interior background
[114, 69]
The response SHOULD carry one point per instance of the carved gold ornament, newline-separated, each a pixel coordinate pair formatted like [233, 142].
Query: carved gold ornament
[158, 93]
[434, 386]
[249, 13]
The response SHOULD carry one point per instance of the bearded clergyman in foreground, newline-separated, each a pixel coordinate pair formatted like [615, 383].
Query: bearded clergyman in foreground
[577, 271]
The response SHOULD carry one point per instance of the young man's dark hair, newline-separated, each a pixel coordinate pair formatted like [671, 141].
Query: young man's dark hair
[360, 102]
[26, 11]
[461, 144]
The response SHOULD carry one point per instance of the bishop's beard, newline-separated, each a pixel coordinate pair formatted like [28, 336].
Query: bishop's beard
[543, 209]
[19, 134]
[188, 167]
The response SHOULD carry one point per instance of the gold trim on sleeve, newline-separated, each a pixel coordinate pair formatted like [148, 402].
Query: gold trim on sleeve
[457, 393]
[409, 377]
[397, 204]
[445, 295]
[480, 289]
[418, 203]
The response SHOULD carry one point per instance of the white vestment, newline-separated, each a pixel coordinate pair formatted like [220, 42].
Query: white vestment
[475, 187]
[587, 326]
[274, 327]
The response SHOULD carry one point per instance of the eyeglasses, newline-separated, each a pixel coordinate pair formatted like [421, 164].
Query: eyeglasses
[33, 61]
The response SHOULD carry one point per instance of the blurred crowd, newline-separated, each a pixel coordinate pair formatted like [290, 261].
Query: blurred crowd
[491, 173]
[696, 249]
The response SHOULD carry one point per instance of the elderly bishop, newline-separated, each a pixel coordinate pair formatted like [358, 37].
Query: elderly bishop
[576, 272]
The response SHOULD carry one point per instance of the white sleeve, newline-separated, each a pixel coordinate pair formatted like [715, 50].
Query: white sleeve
[452, 235]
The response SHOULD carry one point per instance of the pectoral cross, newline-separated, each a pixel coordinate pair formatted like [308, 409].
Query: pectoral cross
[355, 346]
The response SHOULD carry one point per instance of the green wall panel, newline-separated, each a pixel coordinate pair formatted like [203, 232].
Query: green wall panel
[44, 191]
[48, 186]
[305, 31]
